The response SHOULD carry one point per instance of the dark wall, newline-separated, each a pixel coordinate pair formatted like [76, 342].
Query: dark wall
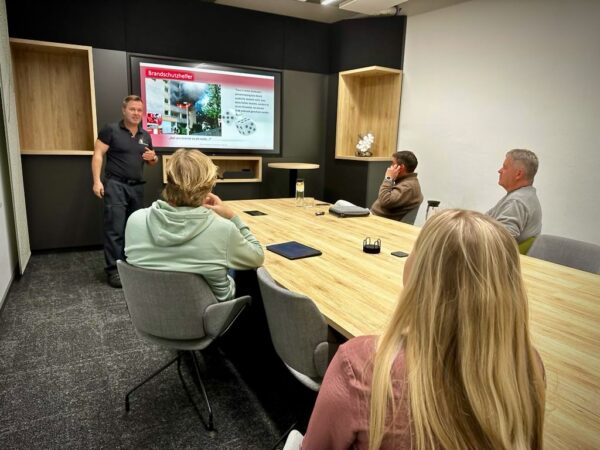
[305, 51]
[205, 31]
[375, 41]
[179, 28]
[304, 123]
[110, 83]
[62, 211]
[98, 24]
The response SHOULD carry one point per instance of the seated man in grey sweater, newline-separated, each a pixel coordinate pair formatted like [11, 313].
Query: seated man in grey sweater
[519, 210]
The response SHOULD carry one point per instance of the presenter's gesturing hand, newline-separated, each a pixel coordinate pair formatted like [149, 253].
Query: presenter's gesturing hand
[98, 189]
[213, 202]
[149, 156]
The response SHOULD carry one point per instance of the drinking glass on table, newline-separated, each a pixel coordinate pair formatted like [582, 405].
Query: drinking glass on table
[299, 192]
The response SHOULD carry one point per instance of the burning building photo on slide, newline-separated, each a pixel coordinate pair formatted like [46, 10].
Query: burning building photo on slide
[183, 107]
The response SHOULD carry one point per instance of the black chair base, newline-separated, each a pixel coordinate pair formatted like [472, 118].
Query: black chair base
[208, 424]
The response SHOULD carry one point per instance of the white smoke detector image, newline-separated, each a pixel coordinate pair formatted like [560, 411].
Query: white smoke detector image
[245, 126]
[229, 117]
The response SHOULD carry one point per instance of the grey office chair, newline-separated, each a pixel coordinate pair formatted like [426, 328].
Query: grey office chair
[411, 215]
[298, 330]
[568, 252]
[179, 311]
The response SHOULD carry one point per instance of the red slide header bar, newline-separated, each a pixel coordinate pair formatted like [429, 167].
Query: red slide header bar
[247, 81]
[170, 74]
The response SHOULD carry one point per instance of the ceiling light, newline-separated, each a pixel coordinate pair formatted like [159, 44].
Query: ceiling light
[328, 2]
[369, 7]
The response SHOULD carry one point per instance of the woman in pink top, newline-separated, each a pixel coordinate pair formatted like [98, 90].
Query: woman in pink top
[455, 368]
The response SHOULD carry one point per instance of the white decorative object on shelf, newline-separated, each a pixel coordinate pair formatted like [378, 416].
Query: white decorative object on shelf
[364, 145]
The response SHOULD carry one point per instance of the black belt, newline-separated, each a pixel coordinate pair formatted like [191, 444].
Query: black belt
[128, 181]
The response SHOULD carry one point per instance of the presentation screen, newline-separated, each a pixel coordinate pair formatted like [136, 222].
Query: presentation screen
[217, 109]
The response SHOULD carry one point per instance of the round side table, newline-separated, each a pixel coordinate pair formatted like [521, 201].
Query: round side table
[293, 168]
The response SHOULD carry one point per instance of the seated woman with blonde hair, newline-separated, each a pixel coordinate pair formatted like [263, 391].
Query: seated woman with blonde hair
[455, 368]
[192, 230]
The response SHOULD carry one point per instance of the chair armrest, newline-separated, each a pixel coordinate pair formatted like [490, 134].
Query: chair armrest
[321, 357]
[218, 317]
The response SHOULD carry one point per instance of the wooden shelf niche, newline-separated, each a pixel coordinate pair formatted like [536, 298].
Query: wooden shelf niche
[232, 169]
[56, 105]
[368, 102]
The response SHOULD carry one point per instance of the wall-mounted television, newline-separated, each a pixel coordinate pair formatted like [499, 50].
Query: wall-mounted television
[215, 108]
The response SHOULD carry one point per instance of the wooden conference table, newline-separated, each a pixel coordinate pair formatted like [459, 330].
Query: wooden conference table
[356, 292]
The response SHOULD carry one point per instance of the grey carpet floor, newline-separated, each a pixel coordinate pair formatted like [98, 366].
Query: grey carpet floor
[68, 355]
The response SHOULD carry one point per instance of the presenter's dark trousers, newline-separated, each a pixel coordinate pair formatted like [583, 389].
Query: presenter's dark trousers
[120, 200]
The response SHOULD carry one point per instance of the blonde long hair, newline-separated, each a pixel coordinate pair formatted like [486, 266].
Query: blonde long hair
[474, 379]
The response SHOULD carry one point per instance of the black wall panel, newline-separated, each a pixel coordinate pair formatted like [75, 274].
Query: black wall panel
[97, 24]
[197, 30]
[306, 46]
[377, 41]
[180, 28]
[205, 31]
[349, 183]
[111, 84]
[62, 210]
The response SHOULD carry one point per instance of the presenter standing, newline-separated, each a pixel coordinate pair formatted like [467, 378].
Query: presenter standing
[127, 147]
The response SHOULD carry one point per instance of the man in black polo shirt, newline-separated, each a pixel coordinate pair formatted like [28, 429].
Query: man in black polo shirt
[127, 147]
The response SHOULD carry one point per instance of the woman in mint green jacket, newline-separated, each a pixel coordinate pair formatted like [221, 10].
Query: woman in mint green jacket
[192, 230]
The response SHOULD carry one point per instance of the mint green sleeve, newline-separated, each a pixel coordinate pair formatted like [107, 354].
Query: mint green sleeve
[243, 249]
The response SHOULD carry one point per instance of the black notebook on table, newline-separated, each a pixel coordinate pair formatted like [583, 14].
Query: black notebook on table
[293, 250]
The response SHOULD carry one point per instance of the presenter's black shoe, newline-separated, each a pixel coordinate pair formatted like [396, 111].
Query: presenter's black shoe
[114, 280]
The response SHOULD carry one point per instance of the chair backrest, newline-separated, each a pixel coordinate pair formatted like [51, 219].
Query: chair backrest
[298, 329]
[568, 252]
[175, 305]
[411, 215]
